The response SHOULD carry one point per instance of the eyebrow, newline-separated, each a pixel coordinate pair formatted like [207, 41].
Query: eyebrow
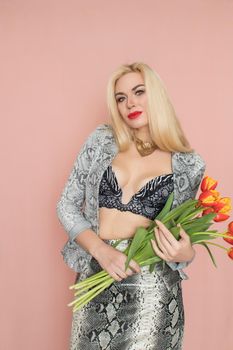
[134, 88]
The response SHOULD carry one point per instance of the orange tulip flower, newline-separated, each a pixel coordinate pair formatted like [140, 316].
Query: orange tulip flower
[209, 198]
[208, 184]
[221, 217]
[227, 239]
[223, 205]
[230, 227]
[230, 253]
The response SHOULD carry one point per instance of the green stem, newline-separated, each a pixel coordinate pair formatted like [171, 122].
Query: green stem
[87, 294]
[79, 305]
[150, 261]
[210, 234]
[217, 245]
[89, 279]
[90, 285]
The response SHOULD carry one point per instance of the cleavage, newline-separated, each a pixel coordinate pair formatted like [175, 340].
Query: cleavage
[140, 189]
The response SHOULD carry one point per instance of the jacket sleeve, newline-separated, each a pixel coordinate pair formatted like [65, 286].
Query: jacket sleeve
[69, 207]
[195, 180]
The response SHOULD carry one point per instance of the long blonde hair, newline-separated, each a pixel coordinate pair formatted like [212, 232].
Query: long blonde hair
[164, 126]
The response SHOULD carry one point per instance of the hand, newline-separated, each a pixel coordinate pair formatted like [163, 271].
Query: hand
[168, 248]
[113, 261]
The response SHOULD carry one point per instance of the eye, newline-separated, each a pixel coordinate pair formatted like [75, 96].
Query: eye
[119, 99]
[140, 92]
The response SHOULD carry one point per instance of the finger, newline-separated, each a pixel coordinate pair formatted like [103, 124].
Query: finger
[157, 250]
[169, 236]
[160, 244]
[120, 272]
[183, 234]
[129, 272]
[115, 276]
[168, 249]
[134, 266]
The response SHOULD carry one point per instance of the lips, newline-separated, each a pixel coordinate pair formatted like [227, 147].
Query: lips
[134, 115]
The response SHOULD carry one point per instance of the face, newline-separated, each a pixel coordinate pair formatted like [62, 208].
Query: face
[130, 94]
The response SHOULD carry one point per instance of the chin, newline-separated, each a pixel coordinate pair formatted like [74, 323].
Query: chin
[137, 124]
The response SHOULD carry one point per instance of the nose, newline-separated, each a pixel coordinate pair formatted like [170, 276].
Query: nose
[130, 102]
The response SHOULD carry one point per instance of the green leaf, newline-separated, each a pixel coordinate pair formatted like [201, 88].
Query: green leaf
[169, 224]
[204, 219]
[175, 231]
[135, 245]
[209, 251]
[150, 261]
[151, 226]
[193, 227]
[152, 267]
[175, 212]
[166, 208]
[146, 253]
[186, 212]
[192, 215]
[201, 237]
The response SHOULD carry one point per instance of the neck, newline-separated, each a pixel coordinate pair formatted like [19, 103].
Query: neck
[143, 134]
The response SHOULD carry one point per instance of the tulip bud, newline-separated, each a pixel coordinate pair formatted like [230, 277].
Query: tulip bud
[229, 240]
[230, 253]
[207, 211]
[208, 184]
[230, 226]
[221, 217]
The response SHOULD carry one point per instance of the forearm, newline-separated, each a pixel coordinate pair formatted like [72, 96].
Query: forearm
[89, 241]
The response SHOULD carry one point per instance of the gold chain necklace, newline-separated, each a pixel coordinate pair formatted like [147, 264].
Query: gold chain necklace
[144, 148]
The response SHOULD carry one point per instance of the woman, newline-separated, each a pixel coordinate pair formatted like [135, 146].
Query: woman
[121, 179]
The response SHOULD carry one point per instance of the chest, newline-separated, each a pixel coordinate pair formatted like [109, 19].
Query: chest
[132, 172]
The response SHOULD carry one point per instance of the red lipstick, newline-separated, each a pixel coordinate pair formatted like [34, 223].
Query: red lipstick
[134, 115]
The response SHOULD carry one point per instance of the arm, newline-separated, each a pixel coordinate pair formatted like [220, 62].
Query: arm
[83, 241]
[69, 206]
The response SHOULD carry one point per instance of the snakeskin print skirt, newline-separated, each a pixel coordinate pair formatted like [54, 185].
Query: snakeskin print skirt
[142, 312]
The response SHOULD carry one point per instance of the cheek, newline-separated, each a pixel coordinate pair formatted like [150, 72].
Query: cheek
[121, 109]
[144, 102]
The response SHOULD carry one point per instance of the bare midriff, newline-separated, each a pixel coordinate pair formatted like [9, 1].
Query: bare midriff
[116, 224]
[132, 172]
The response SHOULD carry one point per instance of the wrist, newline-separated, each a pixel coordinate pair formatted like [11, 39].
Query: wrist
[89, 241]
[192, 255]
[95, 248]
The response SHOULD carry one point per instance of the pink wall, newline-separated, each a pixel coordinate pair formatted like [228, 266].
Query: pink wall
[55, 61]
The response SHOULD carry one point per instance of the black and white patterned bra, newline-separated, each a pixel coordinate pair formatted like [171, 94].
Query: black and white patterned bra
[148, 201]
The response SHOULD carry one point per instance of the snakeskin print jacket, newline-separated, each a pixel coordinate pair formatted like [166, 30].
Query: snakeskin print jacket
[77, 209]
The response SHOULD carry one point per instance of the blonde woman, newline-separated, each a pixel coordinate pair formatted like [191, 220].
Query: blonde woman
[120, 180]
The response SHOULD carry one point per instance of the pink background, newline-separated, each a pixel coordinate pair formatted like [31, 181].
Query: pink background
[56, 57]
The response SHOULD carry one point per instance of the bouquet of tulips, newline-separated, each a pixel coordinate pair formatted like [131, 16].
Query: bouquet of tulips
[194, 215]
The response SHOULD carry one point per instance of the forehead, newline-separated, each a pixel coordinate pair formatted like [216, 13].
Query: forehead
[128, 81]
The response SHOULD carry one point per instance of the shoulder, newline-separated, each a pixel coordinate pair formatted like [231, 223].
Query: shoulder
[100, 132]
[101, 137]
[191, 160]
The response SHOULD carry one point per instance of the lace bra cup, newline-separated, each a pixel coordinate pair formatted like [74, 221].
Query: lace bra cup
[148, 201]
